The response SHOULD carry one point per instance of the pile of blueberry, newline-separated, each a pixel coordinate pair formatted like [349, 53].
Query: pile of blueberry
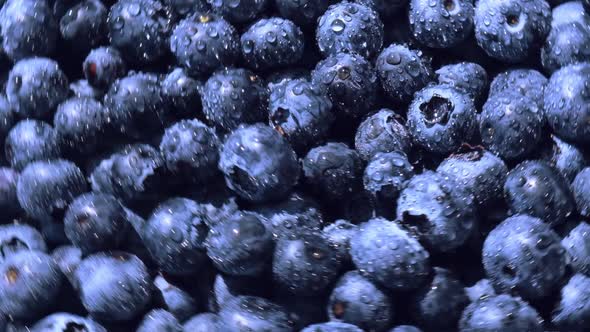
[294, 165]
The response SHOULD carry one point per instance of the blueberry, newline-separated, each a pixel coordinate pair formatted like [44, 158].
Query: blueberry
[67, 259]
[96, 222]
[9, 204]
[83, 89]
[258, 164]
[159, 320]
[382, 132]
[333, 171]
[175, 236]
[565, 158]
[187, 7]
[332, 327]
[203, 43]
[29, 141]
[65, 322]
[174, 299]
[569, 39]
[500, 313]
[511, 125]
[102, 66]
[183, 93]
[250, 313]
[405, 328]
[402, 72]
[35, 87]
[80, 125]
[272, 43]
[190, 150]
[301, 113]
[386, 175]
[573, 310]
[134, 174]
[231, 97]
[296, 203]
[30, 284]
[306, 264]
[440, 118]
[385, 8]
[241, 245]
[478, 171]
[581, 191]
[136, 106]
[350, 82]
[526, 82]
[15, 238]
[441, 24]
[356, 300]
[438, 210]
[350, 27]
[339, 233]
[566, 103]
[7, 118]
[387, 255]
[439, 303]
[577, 245]
[510, 30]
[84, 26]
[139, 29]
[205, 322]
[304, 13]
[481, 289]
[226, 288]
[536, 189]
[46, 188]
[113, 286]
[285, 224]
[523, 254]
[28, 29]
[469, 77]
[238, 11]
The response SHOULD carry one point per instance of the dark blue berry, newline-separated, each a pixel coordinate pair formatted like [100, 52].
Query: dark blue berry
[577, 245]
[568, 159]
[402, 72]
[234, 96]
[258, 163]
[566, 102]
[139, 29]
[441, 118]
[28, 28]
[159, 320]
[387, 255]
[306, 264]
[572, 313]
[511, 125]
[203, 43]
[469, 77]
[96, 222]
[350, 27]
[67, 258]
[526, 82]
[272, 43]
[333, 171]
[113, 286]
[300, 112]
[511, 30]
[83, 89]
[581, 191]
[35, 87]
[174, 299]
[339, 233]
[84, 26]
[15, 238]
[534, 188]
[30, 284]
[386, 175]
[182, 93]
[187, 7]
[62, 321]
[205, 322]
[523, 254]
[175, 236]
[441, 24]
[332, 327]
[405, 328]
[356, 300]
[438, 210]
[382, 132]
[238, 11]
[31, 140]
[103, 66]
[304, 13]
[478, 171]
[350, 82]
[500, 313]
[250, 313]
